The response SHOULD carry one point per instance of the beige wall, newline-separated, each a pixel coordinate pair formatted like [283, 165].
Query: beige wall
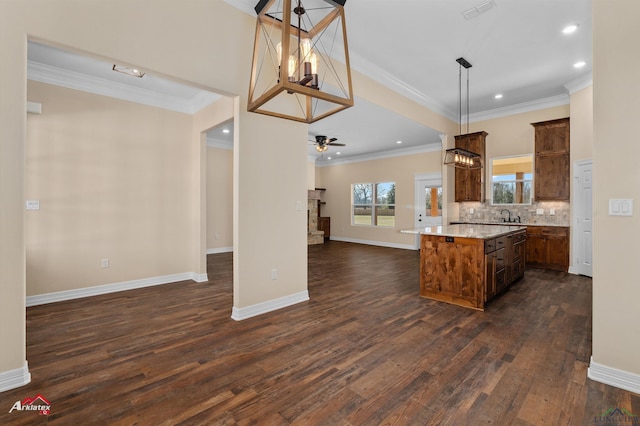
[111, 177]
[616, 335]
[582, 125]
[219, 198]
[181, 48]
[401, 170]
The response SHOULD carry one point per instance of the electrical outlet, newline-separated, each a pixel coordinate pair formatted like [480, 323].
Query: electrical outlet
[104, 263]
[471, 211]
[217, 236]
[274, 274]
[552, 211]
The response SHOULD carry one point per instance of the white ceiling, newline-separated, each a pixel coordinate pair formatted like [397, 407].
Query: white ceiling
[516, 48]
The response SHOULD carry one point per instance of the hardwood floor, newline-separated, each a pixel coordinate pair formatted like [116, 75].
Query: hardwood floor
[364, 350]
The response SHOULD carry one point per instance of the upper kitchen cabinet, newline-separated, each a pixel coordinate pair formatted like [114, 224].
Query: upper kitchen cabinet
[469, 186]
[551, 179]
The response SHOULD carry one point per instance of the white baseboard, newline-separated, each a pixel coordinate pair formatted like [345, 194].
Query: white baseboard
[374, 243]
[614, 377]
[219, 250]
[14, 378]
[59, 296]
[239, 314]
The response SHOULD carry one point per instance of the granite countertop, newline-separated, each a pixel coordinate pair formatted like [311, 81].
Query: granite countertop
[466, 230]
[507, 223]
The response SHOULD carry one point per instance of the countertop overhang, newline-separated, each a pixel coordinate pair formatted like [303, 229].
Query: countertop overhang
[466, 231]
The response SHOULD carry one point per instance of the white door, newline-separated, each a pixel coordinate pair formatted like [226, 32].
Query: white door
[428, 208]
[582, 218]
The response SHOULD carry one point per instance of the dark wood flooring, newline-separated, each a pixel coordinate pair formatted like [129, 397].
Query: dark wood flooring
[364, 350]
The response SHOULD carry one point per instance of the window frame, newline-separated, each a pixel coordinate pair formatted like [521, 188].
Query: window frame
[514, 181]
[374, 205]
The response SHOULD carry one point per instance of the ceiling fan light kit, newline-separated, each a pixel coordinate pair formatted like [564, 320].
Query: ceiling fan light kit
[322, 143]
[458, 157]
[300, 69]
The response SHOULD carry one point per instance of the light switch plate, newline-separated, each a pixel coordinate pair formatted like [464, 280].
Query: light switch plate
[539, 211]
[620, 207]
[32, 204]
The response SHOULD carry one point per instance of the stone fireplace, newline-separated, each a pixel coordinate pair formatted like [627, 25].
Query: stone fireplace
[314, 236]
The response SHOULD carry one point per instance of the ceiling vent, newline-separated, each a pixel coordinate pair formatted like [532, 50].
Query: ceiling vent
[478, 9]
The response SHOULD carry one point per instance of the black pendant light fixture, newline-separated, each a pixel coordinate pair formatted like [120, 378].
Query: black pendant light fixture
[458, 157]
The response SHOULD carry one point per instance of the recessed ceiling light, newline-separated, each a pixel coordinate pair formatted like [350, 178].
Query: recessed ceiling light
[498, 96]
[129, 71]
[398, 142]
[225, 130]
[579, 64]
[338, 153]
[570, 29]
[328, 158]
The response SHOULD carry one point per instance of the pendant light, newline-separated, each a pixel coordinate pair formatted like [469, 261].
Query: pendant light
[300, 69]
[458, 157]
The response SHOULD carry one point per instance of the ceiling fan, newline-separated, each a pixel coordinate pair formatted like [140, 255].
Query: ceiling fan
[322, 143]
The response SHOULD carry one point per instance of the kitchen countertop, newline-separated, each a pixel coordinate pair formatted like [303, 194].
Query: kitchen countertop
[480, 231]
[508, 224]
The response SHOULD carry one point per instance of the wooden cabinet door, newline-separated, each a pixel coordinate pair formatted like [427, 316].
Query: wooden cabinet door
[469, 182]
[552, 177]
[552, 143]
[536, 251]
[552, 136]
[557, 247]
[490, 264]
[452, 270]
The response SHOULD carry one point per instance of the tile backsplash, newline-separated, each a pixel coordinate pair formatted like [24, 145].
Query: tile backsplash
[484, 212]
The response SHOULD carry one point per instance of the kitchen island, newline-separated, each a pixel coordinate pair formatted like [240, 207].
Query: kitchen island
[468, 265]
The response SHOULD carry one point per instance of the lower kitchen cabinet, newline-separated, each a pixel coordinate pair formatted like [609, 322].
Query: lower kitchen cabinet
[504, 262]
[548, 247]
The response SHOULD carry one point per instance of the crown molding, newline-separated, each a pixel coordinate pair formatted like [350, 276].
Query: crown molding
[99, 86]
[519, 108]
[365, 67]
[580, 83]
[431, 147]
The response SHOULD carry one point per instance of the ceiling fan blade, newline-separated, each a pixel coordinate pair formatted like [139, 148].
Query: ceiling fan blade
[333, 140]
[336, 144]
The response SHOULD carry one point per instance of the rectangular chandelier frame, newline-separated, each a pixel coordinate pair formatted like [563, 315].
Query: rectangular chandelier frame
[299, 92]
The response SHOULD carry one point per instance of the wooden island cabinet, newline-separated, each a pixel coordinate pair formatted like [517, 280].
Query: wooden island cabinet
[468, 265]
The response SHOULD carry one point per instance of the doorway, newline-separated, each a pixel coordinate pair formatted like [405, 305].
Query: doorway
[428, 201]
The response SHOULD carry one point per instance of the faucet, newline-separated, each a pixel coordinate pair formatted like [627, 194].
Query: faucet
[504, 219]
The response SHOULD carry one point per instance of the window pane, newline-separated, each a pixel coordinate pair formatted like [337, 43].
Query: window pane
[385, 215]
[362, 215]
[385, 193]
[503, 192]
[430, 194]
[362, 193]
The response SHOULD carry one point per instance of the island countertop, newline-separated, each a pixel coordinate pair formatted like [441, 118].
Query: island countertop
[465, 231]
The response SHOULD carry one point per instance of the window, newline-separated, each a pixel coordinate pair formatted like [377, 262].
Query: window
[433, 201]
[511, 180]
[373, 204]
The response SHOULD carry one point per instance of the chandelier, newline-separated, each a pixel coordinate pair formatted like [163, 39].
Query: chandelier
[458, 157]
[300, 69]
